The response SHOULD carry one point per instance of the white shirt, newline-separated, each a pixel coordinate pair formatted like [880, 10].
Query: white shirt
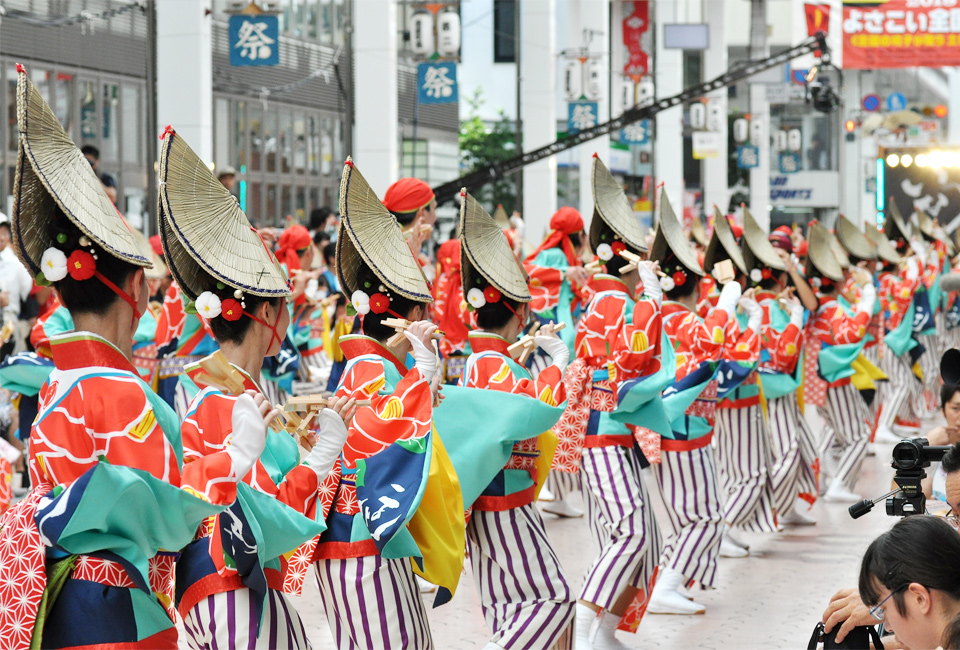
[14, 279]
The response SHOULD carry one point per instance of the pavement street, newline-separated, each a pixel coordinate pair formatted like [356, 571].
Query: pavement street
[771, 599]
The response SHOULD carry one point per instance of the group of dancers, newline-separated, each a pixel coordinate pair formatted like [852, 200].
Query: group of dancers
[174, 478]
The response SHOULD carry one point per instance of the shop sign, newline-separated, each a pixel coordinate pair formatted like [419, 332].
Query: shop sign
[901, 34]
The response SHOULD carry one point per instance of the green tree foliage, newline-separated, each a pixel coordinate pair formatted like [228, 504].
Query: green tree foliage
[485, 143]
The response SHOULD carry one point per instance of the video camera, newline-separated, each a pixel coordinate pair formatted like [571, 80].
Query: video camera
[911, 457]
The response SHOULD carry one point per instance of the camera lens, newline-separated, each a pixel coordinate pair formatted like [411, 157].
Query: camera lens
[906, 455]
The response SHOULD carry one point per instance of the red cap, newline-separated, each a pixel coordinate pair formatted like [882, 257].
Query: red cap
[566, 220]
[156, 245]
[408, 195]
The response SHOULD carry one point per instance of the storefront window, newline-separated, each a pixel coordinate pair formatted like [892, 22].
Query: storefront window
[270, 140]
[221, 140]
[12, 131]
[313, 145]
[256, 140]
[299, 143]
[63, 100]
[253, 207]
[132, 123]
[88, 113]
[240, 133]
[286, 204]
[270, 213]
[41, 81]
[110, 143]
[285, 137]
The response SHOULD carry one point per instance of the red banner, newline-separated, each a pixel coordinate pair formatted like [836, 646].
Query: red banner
[635, 26]
[818, 18]
[901, 34]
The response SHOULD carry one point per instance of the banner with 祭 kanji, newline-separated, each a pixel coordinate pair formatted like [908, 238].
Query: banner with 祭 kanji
[901, 34]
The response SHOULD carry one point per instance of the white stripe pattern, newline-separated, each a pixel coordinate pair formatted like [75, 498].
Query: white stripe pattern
[523, 591]
[743, 458]
[622, 523]
[688, 485]
[845, 434]
[373, 604]
[794, 451]
[903, 392]
[227, 620]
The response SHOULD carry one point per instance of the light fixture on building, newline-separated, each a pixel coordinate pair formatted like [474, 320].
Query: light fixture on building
[698, 115]
[741, 129]
[921, 160]
[893, 160]
[850, 126]
[572, 80]
[906, 160]
[421, 34]
[593, 87]
[448, 33]
[794, 140]
[940, 110]
[626, 95]
[780, 141]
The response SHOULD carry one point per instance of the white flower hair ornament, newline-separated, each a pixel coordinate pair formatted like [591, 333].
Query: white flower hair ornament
[476, 298]
[360, 302]
[605, 252]
[816, 282]
[208, 305]
[54, 264]
[756, 275]
[667, 283]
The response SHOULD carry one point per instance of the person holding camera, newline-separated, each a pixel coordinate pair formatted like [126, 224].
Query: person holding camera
[850, 608]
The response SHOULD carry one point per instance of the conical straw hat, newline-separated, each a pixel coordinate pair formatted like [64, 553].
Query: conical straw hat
[839, 252]
[885, 249]
[722, 241]
[926, 225]
[51, 173]
[698, 233]
[371, 236]
[670, 238]
[485, 251]
[206, 236]
[611, 207]
[894, 227]
[500, 216]
[820, 253]
[855, 242]
[757, 249]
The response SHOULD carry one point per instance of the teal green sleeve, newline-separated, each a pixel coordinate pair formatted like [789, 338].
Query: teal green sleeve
[555, 258]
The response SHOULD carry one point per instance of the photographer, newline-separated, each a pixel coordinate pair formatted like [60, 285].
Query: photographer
[846, 607]
[946, 434]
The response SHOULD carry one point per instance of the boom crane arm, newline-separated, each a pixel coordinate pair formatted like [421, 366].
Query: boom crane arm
[488, 174]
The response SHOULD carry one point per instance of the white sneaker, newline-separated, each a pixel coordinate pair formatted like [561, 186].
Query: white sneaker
[840, 493]
[871, 450]
[425, 587]
[667, 599]
[584, 620]
[602, 633]
[733, 535]
[546, 495]
[797, 518]
[561, 509]
[886, 436]
[729, 549]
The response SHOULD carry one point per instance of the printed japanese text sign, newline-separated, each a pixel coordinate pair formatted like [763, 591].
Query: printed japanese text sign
[901, 34]
[254, 40]
[636, 133]
[582, 115]
[437, 83]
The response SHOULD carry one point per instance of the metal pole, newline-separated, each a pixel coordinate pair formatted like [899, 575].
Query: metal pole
[152, 141]
[348, 57]
[518, 134]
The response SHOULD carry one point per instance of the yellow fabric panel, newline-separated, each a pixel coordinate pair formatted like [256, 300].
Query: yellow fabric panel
[439, 526]
[547, 444]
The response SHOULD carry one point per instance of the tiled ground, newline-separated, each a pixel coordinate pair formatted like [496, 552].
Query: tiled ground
[770, 600]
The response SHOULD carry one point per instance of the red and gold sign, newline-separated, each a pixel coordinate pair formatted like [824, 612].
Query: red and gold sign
[901, 34]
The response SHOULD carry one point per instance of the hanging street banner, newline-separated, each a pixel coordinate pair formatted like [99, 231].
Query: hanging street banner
[437, 83]
[582, 115]
[900, 34]
[636, 133]
[254, 39]
[635, 27]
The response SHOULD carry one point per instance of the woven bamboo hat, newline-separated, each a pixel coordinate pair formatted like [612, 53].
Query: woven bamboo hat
[853, 241]
[723, 244]
[894, 226]
[485, 254]
[370, 236]
[885, 249]
[757, 249]
[52, 173]
[500, 216]
[839, 252]
[671, 239]
[612, 208]
[926, 226]
[698, 233]
[206, 237]
[820, 253]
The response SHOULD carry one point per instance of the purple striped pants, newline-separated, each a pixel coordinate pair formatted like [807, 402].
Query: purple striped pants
[688, 484]
[373, 604]
[930, 364]
[523, 591]
[743, 457]
[227, 620]
[622, 523]
[561, 484]
[845, 434]
[902, 393]
[794, 452]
